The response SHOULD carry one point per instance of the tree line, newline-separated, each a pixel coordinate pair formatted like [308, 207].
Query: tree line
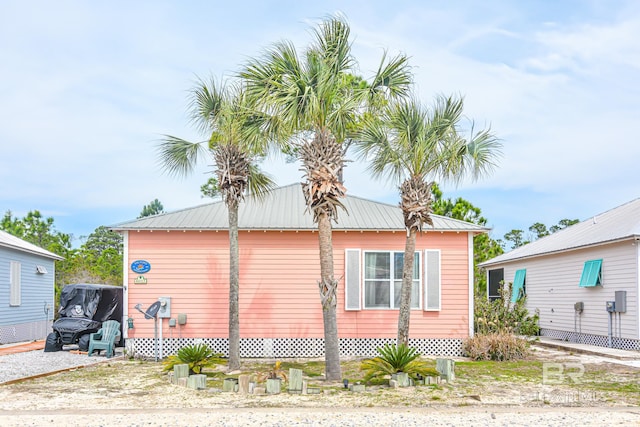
[97, 260]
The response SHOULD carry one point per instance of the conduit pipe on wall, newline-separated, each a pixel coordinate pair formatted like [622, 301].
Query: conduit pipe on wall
[160, 319]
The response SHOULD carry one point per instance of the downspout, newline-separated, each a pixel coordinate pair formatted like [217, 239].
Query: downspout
[609, 341]
[160, 339]
[471, 282]
[637, 242]
[125, 284]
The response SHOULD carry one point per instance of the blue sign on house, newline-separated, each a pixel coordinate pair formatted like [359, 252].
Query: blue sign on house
[140, 266]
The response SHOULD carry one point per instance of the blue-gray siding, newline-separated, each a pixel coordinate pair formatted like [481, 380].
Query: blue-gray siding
[28, 321]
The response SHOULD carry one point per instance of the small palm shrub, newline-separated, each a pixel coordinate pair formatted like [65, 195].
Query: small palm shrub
[197, 356]
[393, 359]
[498, 346]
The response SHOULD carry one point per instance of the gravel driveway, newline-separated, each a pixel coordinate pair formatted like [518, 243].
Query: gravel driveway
[33, 363]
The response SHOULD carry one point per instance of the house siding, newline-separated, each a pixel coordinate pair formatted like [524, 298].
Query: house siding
[279, 296]
[27, 321]
[552, 289]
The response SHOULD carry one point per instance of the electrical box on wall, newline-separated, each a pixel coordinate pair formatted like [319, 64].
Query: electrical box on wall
[578, 307]
[621, 301]
[611, 306]
[165, 307]
[182, 319]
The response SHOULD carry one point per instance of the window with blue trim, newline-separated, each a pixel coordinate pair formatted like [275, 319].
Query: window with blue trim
[517, 291]
[591, 274]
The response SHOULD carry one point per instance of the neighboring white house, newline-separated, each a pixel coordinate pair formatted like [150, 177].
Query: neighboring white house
[27, 277]
[584, 280]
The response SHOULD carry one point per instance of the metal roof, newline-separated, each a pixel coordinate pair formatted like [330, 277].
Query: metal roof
[621, 223]
[285, 209]
[10, 241]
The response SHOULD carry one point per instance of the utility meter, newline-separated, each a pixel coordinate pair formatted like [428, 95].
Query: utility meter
[165, 307]
[611, 306]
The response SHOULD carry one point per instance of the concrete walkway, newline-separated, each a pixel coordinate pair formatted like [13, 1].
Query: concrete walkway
[613, 353]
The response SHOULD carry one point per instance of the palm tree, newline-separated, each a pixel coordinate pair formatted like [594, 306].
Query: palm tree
[313, 102]
[411, 145]
[221, 111]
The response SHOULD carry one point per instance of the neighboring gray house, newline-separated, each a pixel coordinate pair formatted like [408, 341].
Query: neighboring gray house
[27, 276]
[584, 280]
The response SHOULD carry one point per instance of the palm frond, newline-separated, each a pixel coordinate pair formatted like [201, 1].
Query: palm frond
[393, 79]
[206, 101]
[177, 156]
[484, 150]
[412, 140]
[260, 183]
[333, 46]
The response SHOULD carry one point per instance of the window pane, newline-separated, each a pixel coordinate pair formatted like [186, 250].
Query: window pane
[377, 265]
[376, 294]
[397, 288]
[496, 277]
[415, 293]
[398, 263]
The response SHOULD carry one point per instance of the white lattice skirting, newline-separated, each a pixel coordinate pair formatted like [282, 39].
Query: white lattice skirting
[20, 332]
[599, 340]
[290, 347]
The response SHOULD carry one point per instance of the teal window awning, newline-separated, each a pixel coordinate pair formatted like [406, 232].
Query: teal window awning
[591, 273]
[517, 291]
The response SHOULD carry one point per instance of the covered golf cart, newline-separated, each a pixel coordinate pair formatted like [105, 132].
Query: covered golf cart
[83, 308]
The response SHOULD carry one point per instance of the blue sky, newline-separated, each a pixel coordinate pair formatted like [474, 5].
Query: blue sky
[88, 88]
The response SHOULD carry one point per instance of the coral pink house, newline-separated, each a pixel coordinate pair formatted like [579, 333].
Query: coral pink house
[280, 311]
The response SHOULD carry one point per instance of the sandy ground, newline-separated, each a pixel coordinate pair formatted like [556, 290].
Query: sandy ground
[370, 417]
[126, 393]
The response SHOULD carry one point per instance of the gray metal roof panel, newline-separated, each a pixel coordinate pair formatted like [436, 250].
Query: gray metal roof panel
[10, 241]
[285, 209]
[620, 223]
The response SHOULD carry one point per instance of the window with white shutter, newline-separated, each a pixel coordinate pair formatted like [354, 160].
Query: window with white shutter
[14, 279]
[352, 279]
[432, 280]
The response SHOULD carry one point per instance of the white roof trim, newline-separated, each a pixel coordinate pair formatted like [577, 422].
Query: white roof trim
[12, 242]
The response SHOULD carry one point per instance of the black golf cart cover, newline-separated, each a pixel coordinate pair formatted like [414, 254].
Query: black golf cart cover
[90, 301]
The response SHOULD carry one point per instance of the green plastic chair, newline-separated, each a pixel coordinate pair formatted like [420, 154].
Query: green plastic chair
[105, 338]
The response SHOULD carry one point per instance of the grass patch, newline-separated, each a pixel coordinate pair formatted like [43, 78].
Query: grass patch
[521, 370]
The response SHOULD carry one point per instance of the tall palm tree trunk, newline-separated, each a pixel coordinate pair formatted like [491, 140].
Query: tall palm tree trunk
[407, 283]
[328, 286]
[234, 287]
[415, 202]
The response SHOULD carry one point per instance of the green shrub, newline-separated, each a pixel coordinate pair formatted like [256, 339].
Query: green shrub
[503, 316]
[197, 356]
[394, 359]
[500, 346]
